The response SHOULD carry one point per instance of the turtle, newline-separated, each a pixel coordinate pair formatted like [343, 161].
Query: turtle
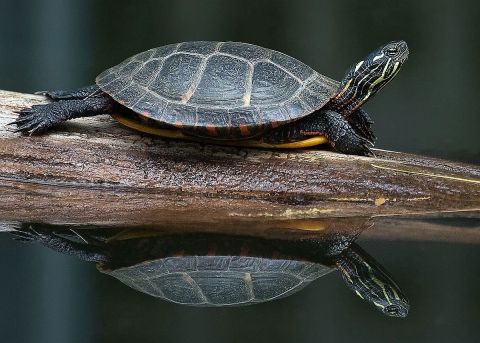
[211, 269]
[230, 93]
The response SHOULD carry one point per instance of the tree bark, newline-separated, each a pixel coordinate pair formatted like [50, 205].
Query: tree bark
[94, 171]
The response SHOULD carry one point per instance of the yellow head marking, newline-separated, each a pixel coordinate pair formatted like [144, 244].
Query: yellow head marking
[377, 57]
[359, 64]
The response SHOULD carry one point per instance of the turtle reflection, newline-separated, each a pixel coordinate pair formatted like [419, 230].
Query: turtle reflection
[205, 269]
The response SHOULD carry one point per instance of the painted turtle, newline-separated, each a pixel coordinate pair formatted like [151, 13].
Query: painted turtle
[230, 93]
[201, 269]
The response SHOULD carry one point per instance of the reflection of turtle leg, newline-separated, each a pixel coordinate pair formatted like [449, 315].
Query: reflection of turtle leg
[371, 281]
[340, 134]
[47, 238]
[41, 117]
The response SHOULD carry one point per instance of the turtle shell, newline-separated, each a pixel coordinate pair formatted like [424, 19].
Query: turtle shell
[219, 280]
[219, 90]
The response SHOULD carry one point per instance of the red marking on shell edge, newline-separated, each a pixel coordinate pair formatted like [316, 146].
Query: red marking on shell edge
[211, 130]
[244, 250]
[274, 124]
[244, 131]
[178, 125]
[179, 253]
[146, 113]
[212, 249]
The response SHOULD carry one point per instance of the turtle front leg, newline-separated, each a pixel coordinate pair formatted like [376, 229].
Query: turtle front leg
[39, 118]
[338, 131]
[362, 123]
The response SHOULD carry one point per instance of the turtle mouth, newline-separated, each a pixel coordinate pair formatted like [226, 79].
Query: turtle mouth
[396, 311]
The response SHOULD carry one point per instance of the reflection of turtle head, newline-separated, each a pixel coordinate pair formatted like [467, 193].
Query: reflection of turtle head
[371, 281]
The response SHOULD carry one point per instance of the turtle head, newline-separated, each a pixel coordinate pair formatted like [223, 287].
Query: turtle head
[369, 75]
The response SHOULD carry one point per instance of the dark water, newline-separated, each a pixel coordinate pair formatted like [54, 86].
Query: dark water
[61, 298]
[431, 108]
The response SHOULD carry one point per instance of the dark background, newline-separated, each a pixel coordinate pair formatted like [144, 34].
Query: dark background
[430, 108]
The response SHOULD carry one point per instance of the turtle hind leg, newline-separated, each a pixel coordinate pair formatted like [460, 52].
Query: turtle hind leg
[46, 237]
[39, 118]
[338, 131]
[80, 93]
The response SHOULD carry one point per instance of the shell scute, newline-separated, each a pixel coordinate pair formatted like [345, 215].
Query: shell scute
[272, 85]
[175, 77]
[223, 83]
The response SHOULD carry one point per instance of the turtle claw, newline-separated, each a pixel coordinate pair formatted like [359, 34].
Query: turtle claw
[32, 120]
[365, 147]
[27, 235]
[354, 144]
[367, 151]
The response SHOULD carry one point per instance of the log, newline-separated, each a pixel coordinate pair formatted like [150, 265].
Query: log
[94, 171]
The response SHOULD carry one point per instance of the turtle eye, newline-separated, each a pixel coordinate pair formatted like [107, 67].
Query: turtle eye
[391, 51]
